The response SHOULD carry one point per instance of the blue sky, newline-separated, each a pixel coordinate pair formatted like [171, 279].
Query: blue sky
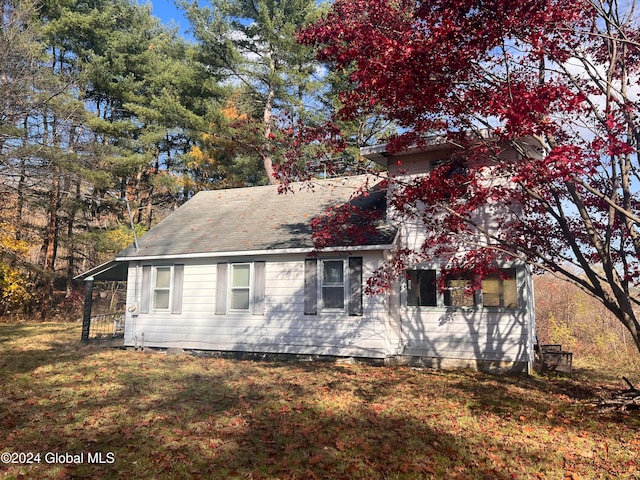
[169, 14]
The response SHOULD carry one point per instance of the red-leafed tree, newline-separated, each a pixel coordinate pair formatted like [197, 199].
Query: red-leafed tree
[562, 74]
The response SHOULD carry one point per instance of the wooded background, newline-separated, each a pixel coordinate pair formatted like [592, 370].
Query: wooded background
[110, 120]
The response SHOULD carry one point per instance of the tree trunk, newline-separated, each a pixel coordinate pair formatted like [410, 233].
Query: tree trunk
[51, 244]
[21, 197]
[266, 151]
[70, 238]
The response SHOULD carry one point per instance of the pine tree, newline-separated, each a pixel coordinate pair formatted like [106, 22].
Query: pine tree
[254, 44]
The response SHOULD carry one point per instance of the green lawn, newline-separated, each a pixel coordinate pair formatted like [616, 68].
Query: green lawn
[68, 406]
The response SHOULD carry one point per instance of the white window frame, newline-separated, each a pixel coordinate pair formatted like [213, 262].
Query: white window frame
[322, 285]
[155, 288]
[232, 288]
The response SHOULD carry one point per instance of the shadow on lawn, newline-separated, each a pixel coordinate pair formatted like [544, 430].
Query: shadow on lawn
[182, 417]
[37, 345]
[185, 417]
[244, 427]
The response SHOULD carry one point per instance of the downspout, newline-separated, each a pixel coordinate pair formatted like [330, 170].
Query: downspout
[532, 321]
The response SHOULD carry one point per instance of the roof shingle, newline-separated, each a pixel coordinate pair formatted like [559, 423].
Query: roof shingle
[254, 218]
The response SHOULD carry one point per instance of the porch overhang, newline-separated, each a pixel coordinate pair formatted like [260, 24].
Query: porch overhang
[111, 271]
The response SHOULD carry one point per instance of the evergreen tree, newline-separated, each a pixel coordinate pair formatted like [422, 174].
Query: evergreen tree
[114, 103]
[253, 43]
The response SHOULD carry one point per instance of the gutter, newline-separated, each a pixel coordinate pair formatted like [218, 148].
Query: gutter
[253, 253]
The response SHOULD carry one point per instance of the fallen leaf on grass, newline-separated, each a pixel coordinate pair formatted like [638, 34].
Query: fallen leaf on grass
[312, 475]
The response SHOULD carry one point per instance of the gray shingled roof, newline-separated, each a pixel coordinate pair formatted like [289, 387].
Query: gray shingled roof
[254, 218]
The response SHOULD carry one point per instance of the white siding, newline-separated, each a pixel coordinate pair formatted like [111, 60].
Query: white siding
[481, 334]
[282, 329]
[458, 337]
[474, 336]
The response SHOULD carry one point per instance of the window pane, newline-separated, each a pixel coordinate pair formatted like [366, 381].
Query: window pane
[500, 290]
[421, 288]
[491, 291]
[332, 297]
[161, 299]
[163, 277]
[333, 272]
[457, 294]
[510, 287]
[240, 299]
[240, 277]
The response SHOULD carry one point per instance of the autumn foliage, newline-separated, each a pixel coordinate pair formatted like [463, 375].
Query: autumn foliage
[554, 81]
[15, 288]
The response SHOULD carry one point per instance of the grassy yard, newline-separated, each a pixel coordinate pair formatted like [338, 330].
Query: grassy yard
[68, 407]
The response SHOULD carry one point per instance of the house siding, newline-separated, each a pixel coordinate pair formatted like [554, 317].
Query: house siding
[443, 337]
[476, 337]
[283, 328]
[472, 337]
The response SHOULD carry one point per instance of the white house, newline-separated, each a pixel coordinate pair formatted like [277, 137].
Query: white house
[234, 271]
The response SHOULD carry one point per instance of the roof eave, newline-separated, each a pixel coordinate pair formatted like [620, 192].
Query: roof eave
[113, 270]
[380, 154]
[256, 253]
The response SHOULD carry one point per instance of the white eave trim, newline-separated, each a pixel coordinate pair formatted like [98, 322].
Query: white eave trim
[255, 253]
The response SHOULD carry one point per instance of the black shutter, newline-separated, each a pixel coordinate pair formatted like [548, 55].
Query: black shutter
[355, 286]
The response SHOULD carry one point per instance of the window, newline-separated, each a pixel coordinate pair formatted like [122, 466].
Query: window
[333, 284]
[457, 292]
[500, 290]
[452, 167]
[453, 174]
[162, 288]
[240, 286]
[421, 288]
